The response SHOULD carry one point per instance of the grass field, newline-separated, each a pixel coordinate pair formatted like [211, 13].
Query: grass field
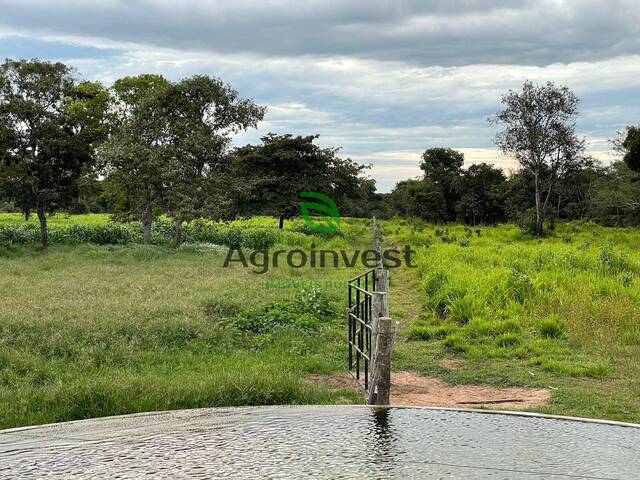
[561, 313]
[89, 330]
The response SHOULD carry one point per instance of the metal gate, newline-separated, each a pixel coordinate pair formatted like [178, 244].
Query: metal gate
[361, 290]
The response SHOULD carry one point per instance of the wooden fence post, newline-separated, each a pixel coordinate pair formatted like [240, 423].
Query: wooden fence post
[382, 368]
[381, 335]
[381, 342]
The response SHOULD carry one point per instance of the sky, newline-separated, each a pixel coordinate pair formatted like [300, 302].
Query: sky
[382, 79]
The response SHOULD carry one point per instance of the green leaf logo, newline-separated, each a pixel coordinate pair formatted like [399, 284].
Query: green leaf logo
[327, 211]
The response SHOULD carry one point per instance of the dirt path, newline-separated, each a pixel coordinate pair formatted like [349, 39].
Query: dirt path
[409, 388]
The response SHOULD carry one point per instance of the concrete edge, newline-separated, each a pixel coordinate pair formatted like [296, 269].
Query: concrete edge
[515, 413]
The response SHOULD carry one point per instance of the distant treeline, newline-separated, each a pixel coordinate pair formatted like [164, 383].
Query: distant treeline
[482, 193]
[147, 146]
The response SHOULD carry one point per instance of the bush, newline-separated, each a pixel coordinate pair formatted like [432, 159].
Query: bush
[113, 233]
[105, 234]
[308, 311]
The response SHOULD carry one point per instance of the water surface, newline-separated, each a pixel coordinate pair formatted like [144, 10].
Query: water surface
[322, 442]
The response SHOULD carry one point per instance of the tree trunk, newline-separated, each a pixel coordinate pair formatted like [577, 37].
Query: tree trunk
[178, 233]
[281, 222]
[44, 234]
[147, 221]
[539, 216]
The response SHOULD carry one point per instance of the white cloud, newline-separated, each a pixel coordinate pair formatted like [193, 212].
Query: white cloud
[386, 94]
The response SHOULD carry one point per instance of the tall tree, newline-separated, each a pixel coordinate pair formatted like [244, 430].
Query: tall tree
[274, 173]
[614, 197]
[168, 145]
[539, 131]
[134, 157]
[200, 113]
[443, 166]
[49, 126]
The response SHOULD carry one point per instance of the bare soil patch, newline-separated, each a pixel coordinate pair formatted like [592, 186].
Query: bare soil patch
[411, 389]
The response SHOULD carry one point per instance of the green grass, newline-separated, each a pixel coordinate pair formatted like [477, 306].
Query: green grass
[560, 312]
[89, 330]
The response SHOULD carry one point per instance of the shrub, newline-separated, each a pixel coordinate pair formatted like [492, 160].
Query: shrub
[308, 311]
[101, 234]
[113, 233]
[19, 235]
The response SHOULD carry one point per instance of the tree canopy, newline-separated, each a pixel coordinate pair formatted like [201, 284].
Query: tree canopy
[168, 144]
[631, 148]
[50, 125]
[274, 173]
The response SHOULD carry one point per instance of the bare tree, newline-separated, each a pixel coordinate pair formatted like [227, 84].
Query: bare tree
[539, 131]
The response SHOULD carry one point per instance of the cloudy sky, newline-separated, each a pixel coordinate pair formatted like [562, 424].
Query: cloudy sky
[382, 79]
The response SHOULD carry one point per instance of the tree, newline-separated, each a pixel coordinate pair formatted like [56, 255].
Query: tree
[421, 198]
[571, 192]
[365, 203]
[274, 173]
[168, 145]
[49, 126]
[442, 166]
[628, 143]
[200, 114]
[135, 156]
[614, 196]
[480, 189]
[539, 131]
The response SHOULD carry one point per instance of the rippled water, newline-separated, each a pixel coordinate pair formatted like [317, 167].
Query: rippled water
[322, 442]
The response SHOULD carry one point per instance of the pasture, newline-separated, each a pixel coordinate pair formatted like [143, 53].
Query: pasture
[101, 325]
